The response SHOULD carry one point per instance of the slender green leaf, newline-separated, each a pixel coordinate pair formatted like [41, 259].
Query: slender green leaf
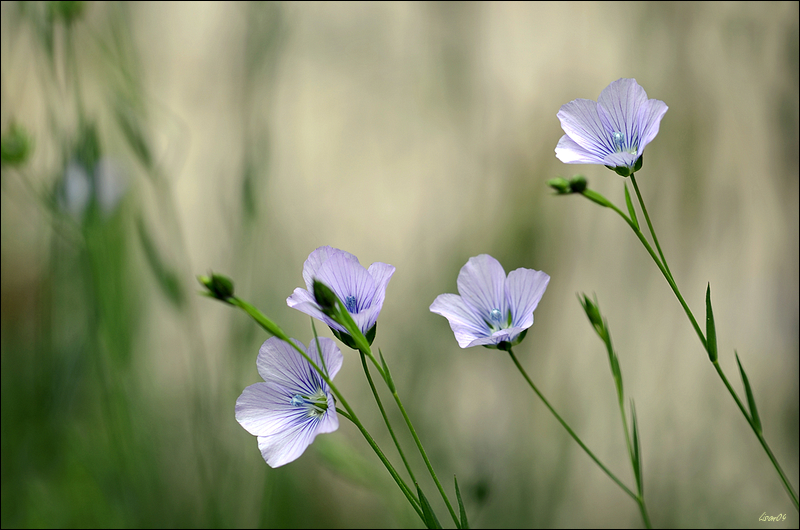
[427, 512]
[631, 211]
[464, 522]
[751, 400]
[637, 455]
[711, 331]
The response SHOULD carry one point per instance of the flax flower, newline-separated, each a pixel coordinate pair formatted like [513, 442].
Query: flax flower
[492, 309]
[294, 403]
[361, 290]
[613, 130]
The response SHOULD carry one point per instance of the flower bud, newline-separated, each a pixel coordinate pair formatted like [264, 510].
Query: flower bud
[326, 298]
[577, 184]
[561, 185]
[219, 286]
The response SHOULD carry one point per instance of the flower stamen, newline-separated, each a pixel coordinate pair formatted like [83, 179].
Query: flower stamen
[350, 304]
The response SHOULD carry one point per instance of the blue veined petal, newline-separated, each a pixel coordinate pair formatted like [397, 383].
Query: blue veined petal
[648, 122]
[317, 258]
[618, 108]
[581, 121]
[481, 283]
[466, 323]
[525, 288]
[570, 152]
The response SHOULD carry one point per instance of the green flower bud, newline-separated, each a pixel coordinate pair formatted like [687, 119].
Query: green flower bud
[561, 185]
[593, 313]
[326, 299]
[219, 286]
[577, 184]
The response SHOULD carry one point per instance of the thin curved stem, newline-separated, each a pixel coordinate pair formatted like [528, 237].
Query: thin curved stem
[569, 430]
[421, 449]
[385, 417]
[663, 267]
[649, 224]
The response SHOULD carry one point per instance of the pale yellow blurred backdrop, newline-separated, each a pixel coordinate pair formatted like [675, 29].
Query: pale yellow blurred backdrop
[421, 134]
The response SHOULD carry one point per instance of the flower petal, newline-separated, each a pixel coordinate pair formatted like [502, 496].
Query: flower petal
[649, 120]
[279, 363]
[618, 108]
[503, 335]
[381, 273]
[317, 258]
[581, 122]
[466, 324]
[264, 409]
[620, 160]
[346, 278]
[524, 289]
[570, 152]
[304, 301]
[481, 283]
[286, 446]
[331, 354]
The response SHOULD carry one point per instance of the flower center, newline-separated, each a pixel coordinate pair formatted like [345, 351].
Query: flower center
[316, 404]
[495, 315]
[350, 304]
[618, 139]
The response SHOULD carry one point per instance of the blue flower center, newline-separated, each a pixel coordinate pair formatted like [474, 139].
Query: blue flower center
[350, 304]
[316, 404]
[620, 144]
[495, 315]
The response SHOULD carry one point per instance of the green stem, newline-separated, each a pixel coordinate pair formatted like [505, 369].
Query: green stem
[649, 224]
[664, 271]
[662, 265]
[385, 418]
[569, 430]
[421, 449]
[270, 327]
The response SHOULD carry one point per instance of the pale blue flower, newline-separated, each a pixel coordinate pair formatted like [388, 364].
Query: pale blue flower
[613, 130]
[492, 308]
[361, 290]
[294, 403]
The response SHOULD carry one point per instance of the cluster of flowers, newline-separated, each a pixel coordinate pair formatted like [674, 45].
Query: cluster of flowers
[294, 403]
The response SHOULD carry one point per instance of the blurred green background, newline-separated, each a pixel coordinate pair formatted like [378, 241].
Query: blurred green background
[146, 143]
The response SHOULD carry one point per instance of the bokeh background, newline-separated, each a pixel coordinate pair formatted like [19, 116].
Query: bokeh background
[147, 143]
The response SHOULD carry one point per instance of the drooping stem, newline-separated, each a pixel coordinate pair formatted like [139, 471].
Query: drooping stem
[569, 430]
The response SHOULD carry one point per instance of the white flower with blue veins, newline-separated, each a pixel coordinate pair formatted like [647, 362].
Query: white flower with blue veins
[294, 403]
[491, 308]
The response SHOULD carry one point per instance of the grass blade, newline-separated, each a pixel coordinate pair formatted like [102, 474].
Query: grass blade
[711, 330]
[751, 400]
[463, 512]
[427, 512]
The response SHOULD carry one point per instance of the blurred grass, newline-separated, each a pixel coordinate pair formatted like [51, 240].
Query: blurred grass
[170, 139]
